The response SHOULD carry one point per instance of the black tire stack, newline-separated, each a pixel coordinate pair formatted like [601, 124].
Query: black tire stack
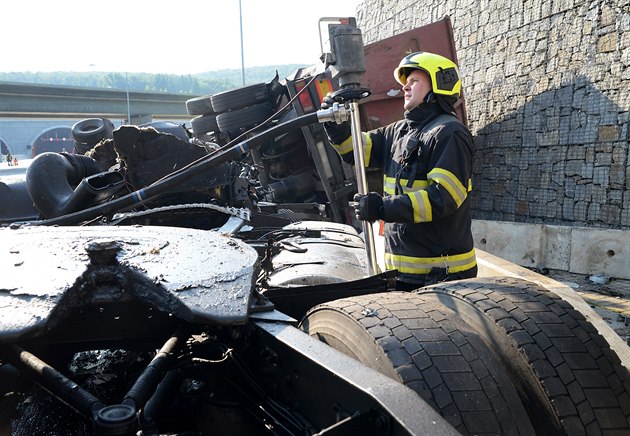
[230, 112]
[89, 132]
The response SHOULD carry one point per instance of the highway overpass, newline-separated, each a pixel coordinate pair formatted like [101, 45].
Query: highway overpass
[32, 112]
[19, 100]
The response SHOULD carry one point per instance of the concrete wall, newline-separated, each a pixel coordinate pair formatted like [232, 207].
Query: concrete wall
[579, 250]
[547, 86]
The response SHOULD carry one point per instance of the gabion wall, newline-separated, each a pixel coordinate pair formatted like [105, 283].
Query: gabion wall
[547, 86]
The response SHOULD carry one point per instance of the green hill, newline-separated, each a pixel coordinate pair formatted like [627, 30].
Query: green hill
[206, 83]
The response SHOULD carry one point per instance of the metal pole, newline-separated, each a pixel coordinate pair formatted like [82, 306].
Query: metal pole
[359, 161]
[128, 105]
[240, 16]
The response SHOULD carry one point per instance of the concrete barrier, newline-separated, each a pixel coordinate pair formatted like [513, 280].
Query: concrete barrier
[580, 250]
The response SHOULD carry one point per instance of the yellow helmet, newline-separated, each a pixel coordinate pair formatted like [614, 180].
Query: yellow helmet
[442, 71]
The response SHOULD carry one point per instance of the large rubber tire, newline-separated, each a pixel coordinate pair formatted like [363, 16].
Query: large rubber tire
[245, 118]
[424, 346]
[199, 105]
[240, 97]
[204, 124]
[571, 381]
[92, 130]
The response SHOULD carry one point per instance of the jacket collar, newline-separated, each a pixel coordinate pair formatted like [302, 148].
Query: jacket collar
[420, 115]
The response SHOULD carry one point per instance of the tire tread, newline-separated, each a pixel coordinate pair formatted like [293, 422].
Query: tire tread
[573, 353]
[431, 355]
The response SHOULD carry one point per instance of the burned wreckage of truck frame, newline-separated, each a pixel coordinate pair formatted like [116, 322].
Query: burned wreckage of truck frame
[205, 281]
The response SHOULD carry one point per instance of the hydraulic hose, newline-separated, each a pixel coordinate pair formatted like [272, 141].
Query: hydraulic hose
[52, 380]
[51, 179]
[121, 419]
[236, 151]
[144, 387]
[295, 185]
[160, 401]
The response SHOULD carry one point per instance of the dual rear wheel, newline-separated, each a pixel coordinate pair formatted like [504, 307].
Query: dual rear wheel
[493, 356]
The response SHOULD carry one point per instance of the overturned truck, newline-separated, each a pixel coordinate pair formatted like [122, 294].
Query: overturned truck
[184, 282]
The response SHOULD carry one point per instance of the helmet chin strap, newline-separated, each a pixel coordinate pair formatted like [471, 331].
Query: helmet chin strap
[432, 98]
[428, 99]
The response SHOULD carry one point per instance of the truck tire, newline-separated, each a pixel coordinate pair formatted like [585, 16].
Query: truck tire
[204, 124]
[245, 118]
[570, 380]
[240, 97]
[92, 130]
[199, 105]
[424, 346]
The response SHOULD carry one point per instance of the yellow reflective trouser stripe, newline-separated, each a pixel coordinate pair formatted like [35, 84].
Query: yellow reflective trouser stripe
[422, 210]
[423, 265]
[389, 185]
[346, 147]
[450, 182]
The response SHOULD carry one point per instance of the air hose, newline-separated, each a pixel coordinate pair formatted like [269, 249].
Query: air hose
[51, 180]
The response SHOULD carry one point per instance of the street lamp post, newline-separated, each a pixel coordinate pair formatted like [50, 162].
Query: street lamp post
[240, 15]
[128, 104]
[92, 66]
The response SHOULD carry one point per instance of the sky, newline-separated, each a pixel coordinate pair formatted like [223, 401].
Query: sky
[158, 36]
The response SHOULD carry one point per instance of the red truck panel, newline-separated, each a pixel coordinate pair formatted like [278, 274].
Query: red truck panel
[385, 105]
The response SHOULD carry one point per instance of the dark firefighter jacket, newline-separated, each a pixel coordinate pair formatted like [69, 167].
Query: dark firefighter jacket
[427, 163]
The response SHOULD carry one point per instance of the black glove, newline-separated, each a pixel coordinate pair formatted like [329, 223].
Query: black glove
[368, 207]
[337, 133]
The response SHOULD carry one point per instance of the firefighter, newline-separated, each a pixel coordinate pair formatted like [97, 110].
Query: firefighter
[427, 161]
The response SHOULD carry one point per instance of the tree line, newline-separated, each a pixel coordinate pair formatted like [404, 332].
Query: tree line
[206, 83]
